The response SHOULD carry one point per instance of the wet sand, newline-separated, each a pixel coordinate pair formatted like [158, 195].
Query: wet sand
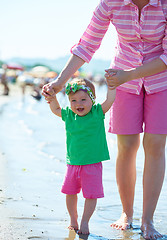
[22, 219]
[21, 215]
[9, 228]
[31, 204]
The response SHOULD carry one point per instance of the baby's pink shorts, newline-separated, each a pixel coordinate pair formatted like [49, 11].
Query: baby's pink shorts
[131, 112]
[85, 177]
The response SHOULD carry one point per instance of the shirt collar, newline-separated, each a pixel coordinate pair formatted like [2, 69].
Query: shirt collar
[126, 2]
[151, 2]
[154, 3]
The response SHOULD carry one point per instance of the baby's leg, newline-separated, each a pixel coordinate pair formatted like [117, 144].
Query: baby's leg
[71, 202]
[90, 205]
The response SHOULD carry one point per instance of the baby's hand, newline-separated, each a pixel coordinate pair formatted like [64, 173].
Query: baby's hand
[116, 77]
[49, 99]
[52, 88]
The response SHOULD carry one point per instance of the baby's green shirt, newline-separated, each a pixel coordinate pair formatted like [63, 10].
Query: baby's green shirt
[85, 136]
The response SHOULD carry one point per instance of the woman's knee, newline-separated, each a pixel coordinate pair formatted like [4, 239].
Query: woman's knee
[154, 144]
[128, 144]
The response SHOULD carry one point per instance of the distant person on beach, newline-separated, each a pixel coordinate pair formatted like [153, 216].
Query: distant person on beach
[86, 147]
[139, 72]
[4, 80]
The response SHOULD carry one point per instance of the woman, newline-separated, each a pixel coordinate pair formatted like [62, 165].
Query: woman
[139, 73]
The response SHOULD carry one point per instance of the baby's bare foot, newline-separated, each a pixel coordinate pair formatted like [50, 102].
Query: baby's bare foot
[123, 223]
[149, 232]
[84, 228]
[73, 226]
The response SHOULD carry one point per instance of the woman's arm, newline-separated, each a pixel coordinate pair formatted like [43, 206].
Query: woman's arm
[116, 77]
[73, 64]
[148, 69]
[84, 50]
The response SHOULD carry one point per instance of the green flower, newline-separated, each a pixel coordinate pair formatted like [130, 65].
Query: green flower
[68, 89]
[75, 87]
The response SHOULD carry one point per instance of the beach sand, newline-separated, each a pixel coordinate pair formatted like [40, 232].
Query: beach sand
[31, 203]
[23, 217]
[9, 230]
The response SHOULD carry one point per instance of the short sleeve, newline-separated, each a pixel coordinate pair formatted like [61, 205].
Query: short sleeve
[163, 57]
[99, 111]
[64, 114]
[94, 34]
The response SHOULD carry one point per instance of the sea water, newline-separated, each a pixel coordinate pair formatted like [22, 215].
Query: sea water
[33, 140]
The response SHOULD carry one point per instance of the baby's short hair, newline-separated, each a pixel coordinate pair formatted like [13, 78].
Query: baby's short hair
[84, 81]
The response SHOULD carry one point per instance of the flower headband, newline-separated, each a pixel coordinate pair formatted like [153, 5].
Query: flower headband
[75, 87]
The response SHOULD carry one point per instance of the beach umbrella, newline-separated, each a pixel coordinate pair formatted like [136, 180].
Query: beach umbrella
[39, 71]
[15, 66]
[51, 74]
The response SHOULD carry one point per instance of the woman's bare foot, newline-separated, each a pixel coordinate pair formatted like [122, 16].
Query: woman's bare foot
[123, 223]
[149, 232]
[84, 228]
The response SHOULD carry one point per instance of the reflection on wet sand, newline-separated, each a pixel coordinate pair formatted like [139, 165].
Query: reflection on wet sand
[32, 163]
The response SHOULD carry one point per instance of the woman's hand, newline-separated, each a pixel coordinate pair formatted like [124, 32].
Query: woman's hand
[116, 77]
[51, 89]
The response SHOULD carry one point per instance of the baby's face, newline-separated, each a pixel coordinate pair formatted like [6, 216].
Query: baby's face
[80, 103]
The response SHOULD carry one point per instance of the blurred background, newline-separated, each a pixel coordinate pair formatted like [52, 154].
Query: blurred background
[36, 38]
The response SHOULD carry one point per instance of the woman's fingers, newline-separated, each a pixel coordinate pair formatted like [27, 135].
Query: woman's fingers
[110, 73]
[111, 70]
[116, 77]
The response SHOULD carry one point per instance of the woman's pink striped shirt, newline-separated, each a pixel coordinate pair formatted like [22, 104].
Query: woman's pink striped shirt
[139, 41]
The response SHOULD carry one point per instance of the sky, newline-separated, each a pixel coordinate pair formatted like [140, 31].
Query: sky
[47, 28]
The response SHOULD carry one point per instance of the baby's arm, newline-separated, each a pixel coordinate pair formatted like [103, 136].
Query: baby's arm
[55, 107]
[109, 100]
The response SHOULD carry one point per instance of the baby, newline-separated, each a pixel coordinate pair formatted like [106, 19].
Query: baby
[86, 148]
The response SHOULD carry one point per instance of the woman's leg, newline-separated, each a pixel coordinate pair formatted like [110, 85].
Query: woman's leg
[154, 170]
[126, 177]
[71, 202]
[89, 208]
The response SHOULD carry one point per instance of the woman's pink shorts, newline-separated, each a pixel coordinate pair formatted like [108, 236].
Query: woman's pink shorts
[130, 112]
[85, 177]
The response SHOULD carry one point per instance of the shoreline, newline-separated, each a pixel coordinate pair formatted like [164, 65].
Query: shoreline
[32, 170]
[9, 229]
[24, 215]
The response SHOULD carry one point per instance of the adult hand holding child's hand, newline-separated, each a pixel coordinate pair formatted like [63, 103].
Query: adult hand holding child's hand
[51, 89]
[116, 77]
